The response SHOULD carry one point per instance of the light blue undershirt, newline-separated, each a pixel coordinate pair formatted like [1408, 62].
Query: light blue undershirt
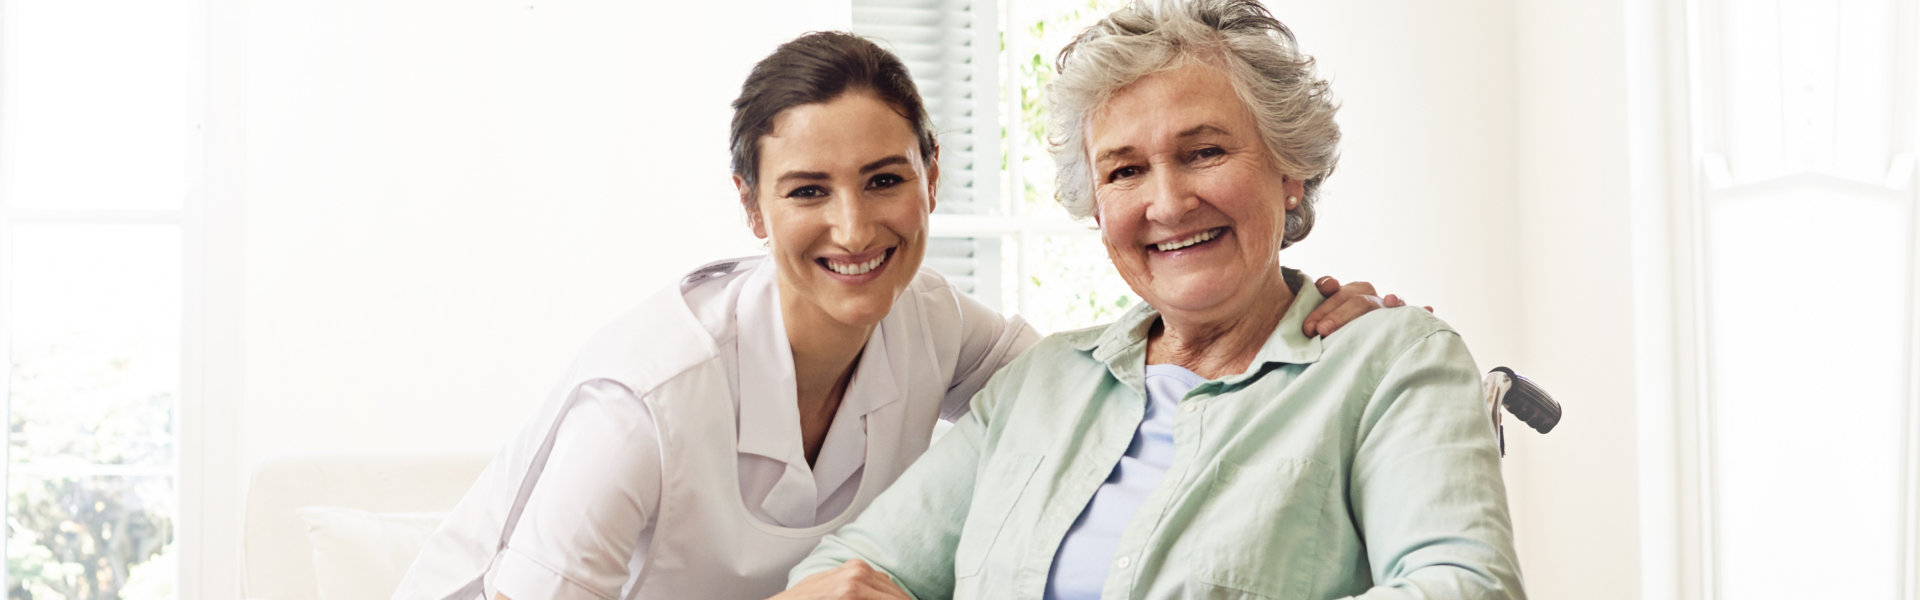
[1080, 567]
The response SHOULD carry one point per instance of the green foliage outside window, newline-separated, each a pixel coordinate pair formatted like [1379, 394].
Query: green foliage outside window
[1074, 282]
[90, 494]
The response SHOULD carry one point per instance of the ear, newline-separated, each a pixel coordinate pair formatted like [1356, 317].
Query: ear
[1296, 188]
[1094, 197]
[933, 179]
[754, 222]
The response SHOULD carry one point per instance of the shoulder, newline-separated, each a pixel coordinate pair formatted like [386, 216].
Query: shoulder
[1380, 355]
[1053, 355]
[671, 332]
[1387, 332]
[931, 289]
[933, 304]
[1082, 339]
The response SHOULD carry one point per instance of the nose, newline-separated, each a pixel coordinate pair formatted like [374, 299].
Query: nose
[852, 222]
[1173, 196]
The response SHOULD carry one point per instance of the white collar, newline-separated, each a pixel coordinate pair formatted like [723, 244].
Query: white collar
[767, 405]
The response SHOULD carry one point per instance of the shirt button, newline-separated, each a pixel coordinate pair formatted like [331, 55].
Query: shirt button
[1123, 563]
[1189, 407]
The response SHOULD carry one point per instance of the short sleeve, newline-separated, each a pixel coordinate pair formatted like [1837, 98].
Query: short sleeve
[592, 504]
[989, 340]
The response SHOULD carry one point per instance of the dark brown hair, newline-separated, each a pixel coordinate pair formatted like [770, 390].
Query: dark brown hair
[813, 68]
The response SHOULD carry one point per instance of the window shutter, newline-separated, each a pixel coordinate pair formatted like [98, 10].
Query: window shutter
[951, 47]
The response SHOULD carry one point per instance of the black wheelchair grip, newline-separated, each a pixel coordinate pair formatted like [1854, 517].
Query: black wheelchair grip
[1530, 403]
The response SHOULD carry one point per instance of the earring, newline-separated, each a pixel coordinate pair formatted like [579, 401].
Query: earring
[1292, 201]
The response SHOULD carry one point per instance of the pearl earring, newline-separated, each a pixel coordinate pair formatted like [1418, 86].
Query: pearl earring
[1292, 201]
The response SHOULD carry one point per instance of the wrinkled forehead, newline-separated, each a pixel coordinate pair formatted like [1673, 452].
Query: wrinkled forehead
[1163, 106]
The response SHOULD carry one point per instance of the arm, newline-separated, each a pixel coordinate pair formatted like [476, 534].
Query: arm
[1426, 489]
[989, 341]
[598, 492]
[910, 531]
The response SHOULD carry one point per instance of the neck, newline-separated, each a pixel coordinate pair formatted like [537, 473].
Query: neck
[823, 361]
[824, 354]
[1218, 346]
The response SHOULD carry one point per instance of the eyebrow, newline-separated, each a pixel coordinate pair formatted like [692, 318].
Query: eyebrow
[1201, 129]
[897, 159]
[1195, 131]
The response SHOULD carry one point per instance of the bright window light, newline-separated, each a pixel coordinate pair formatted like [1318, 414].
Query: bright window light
[1805, 420]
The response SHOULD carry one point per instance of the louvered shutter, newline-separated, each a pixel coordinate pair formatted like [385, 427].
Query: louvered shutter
[951, 47]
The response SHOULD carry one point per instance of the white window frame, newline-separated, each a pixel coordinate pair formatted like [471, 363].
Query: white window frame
[1676, 440]
[1008, 222]
[206, 464]
[211, 477]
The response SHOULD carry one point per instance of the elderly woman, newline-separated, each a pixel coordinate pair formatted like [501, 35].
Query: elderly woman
[1201, 446]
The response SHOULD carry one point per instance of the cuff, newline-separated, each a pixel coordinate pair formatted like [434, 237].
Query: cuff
[522, 577]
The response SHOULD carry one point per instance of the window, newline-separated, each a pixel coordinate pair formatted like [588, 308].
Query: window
[98, 138]
[998, 233]
[1803, 119]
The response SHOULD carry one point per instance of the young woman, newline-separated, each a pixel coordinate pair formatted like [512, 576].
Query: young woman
[702, 444]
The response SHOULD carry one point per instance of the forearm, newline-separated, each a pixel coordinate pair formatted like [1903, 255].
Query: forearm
[910, 531]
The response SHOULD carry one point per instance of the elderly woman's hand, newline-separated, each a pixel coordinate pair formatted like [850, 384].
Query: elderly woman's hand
[854, 580]
[1344, 304]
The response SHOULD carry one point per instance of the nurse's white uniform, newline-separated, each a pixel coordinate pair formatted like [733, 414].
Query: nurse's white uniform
[677, 470]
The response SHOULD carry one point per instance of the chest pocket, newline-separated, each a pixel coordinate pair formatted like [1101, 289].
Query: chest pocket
[994, 496]
[1274, 547]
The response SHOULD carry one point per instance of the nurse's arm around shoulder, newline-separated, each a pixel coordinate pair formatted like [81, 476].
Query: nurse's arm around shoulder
[1425, 483]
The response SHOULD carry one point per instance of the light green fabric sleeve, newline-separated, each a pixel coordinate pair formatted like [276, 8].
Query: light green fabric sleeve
[1426, 487]
[911, 530]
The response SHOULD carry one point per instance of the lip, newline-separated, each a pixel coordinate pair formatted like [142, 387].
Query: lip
[868, 276]
[1153, 249]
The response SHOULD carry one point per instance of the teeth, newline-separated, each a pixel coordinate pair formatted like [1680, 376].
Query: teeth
[856, 269]
[1197, 238]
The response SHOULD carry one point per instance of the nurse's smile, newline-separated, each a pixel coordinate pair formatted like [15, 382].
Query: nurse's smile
[857, 268]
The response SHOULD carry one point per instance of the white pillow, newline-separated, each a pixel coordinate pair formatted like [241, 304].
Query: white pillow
[360, 555]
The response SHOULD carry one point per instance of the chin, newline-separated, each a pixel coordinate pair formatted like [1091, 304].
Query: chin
[863, 312]
[1197, 297]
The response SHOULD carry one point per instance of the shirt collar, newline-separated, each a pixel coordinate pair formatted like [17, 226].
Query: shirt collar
[765, 370]
[769, 419]
[1286, 344]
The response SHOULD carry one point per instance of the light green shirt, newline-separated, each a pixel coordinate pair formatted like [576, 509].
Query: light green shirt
[1361, 464]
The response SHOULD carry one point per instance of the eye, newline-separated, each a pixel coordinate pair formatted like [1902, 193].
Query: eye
[811, 191]
[1123, 173]
[884, 181]
[1208, 152]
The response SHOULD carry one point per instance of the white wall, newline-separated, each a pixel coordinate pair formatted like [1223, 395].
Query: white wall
[442, 199]
[1578, 515]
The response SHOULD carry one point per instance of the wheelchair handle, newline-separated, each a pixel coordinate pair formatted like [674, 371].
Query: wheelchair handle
[1529, 402]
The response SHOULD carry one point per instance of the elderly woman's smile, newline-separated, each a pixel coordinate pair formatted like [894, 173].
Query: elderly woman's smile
[1188, 199]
